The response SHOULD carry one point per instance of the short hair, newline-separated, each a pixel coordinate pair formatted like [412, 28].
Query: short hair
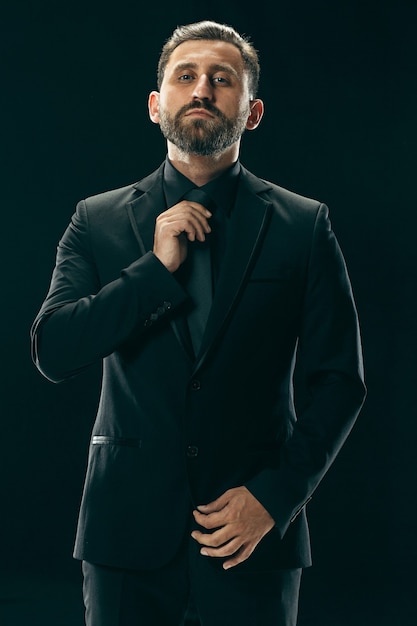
[216, 32]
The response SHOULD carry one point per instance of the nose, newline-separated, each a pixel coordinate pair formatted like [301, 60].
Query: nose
[203, 89]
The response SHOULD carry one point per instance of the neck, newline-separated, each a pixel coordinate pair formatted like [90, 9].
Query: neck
[202, 169]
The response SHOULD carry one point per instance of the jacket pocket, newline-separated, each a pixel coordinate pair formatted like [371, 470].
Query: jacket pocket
[103, 440]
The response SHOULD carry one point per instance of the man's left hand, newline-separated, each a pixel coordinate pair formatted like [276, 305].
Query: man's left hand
[240, 521]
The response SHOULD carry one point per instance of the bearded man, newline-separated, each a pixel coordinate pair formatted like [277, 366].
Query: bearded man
[198, 287]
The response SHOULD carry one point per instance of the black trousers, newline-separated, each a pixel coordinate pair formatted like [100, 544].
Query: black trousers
[189, 591]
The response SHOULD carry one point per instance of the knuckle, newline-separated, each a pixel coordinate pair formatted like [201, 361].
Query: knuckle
[216, 542]
[225, 551]
[204, 523]
[210, 523]
[232, 548]
[247, 551]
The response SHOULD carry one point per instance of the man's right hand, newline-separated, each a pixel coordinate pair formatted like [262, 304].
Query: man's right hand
[184, 221]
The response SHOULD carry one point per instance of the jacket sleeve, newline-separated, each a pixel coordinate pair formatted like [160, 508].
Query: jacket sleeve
[82, 321]
[329, 366]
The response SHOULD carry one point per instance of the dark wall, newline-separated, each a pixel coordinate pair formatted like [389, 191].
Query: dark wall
[339, 85]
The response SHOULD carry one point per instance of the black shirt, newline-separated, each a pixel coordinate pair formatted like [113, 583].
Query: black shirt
[222, 190]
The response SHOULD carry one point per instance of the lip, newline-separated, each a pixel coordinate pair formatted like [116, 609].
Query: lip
[198, 113]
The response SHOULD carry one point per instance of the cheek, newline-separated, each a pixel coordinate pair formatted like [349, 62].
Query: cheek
[168, 97]
[170, 106]
[244, 108]
[234, 106]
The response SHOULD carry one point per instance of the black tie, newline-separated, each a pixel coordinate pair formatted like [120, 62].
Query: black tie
[198, 278]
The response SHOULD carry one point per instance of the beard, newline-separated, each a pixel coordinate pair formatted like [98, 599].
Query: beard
[203, 137]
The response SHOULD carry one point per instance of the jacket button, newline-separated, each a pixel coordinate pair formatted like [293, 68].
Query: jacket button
[192, 451]
[195, 385]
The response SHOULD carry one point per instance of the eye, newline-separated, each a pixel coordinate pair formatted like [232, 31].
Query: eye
[221, 80]
[185, 77]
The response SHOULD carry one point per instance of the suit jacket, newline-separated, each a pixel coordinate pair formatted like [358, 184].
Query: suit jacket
[173, 431]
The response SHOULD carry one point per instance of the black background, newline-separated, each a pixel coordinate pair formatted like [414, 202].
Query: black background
[339, 85]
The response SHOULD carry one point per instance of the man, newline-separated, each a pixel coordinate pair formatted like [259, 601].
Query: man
[199, 471]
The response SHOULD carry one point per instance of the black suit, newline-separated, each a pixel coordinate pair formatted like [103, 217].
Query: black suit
[169, 425]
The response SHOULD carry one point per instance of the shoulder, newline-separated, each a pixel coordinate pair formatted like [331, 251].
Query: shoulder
[293, 199]
[281, 198]
[115, 199]
[111, 198]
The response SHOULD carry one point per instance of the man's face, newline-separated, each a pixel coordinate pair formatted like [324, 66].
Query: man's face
[204, 102]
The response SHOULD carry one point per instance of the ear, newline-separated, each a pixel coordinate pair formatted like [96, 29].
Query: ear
[255, 115]
[153, 106]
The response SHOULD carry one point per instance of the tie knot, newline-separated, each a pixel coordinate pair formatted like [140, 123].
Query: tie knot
[199, 195]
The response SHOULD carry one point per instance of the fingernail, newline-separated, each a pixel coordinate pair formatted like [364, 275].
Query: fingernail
[204, 552]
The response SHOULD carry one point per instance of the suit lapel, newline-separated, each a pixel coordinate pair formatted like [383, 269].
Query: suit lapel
[248, 225]
[144, 210]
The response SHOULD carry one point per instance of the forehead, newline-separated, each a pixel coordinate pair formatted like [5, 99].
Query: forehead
[205, 53]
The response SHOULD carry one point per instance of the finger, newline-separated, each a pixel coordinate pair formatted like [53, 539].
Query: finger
[210, 520]
[196, 231]
[184, 210]
[225, 550]
[216, 539]
[199, 207]
[241, 556]
[188, 203]
[193, 227]
[216, 505]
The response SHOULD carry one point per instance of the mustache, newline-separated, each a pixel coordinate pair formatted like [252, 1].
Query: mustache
[201, 104]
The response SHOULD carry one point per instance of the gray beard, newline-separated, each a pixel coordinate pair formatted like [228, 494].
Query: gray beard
[203, 137]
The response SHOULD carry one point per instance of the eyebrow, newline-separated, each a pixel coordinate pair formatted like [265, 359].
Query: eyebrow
[217, 67]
